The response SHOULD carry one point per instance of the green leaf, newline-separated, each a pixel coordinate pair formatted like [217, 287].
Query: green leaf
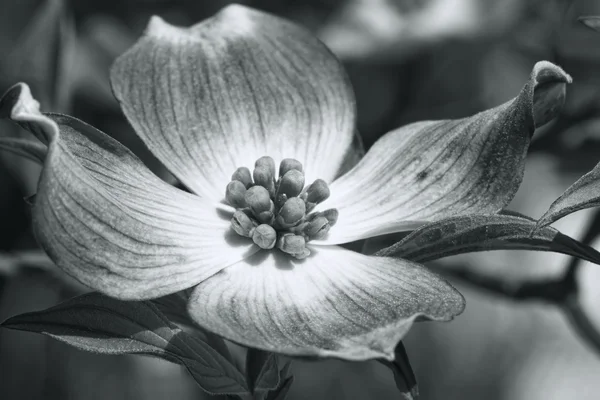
[174, 307]
[471, 233]
[285, 384]
[404, 376]
[100, 324]
[262, 370]
[584, 193]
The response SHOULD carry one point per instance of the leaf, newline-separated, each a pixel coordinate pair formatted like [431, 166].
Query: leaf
[471, 233]
[262, 370]
[591, 21]
[584, 193]
[404, 376]
[100, 324]
[174, 307]
[285, 383]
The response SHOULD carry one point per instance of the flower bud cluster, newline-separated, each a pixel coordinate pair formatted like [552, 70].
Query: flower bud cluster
[276, 210]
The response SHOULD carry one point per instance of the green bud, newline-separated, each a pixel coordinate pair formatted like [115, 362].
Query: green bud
[280, 200]
[291, 213]
[317, 192]
[266, 217]
[291, 183]
[288, 164]
[294, 245]
[235, 194]
[317, 228]
[258, 199]
[243, 175]
[263, 177]
[331, 215]
[264, 236]
[267, 162]
[242, 224]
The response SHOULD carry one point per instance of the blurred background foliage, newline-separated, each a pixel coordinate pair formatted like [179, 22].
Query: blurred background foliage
[408, 60]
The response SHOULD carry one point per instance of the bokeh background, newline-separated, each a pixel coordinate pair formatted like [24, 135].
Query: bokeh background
[408, 60]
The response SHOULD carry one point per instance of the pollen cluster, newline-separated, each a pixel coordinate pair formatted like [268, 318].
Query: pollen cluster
[276, 210]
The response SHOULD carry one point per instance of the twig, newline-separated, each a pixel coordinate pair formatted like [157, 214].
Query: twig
[581, 322]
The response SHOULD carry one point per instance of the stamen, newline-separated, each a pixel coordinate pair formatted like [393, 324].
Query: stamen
[235, 194]
[264, 236]
[277, 212]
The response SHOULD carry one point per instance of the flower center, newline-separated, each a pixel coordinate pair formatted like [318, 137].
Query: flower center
[277, 211]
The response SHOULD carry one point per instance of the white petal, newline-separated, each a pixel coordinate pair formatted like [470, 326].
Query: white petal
[335, 303]
[431, 170]
[241, 85]
[105, 219]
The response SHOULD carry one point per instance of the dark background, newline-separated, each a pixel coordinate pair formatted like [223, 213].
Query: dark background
[408, 60]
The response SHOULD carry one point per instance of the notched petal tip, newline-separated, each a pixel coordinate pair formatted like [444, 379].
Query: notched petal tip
[235, 16]
[159, 28]
[10, 98]
[235, 13]
[549, 91]
[18, 105]
[185, 89]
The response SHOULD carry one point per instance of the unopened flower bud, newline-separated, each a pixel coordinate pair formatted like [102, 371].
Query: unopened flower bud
[258, 199]
[264, 173]
[267, 217]
[288, 164]
[267, 162]
[235, 194]
[294, 245]
[291, 213]
[280, 200]
[317, 228]
[243, 175]
[242, 224]
[291, 183]
[331, 215]
[263, 177]
[264, 236]
[317, 192]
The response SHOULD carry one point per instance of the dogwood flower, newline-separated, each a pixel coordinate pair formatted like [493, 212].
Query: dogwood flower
[256, 118]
